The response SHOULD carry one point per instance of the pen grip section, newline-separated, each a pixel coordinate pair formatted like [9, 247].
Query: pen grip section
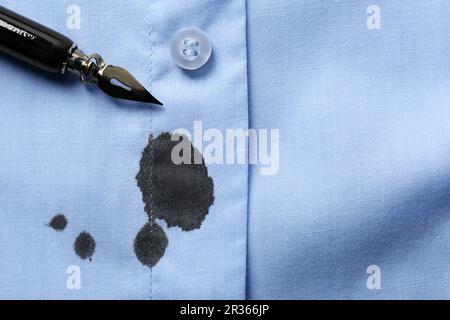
[32, 42]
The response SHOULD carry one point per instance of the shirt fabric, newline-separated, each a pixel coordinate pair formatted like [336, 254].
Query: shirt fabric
[364, 152]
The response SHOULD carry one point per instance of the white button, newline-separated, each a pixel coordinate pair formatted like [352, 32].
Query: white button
[190, 48]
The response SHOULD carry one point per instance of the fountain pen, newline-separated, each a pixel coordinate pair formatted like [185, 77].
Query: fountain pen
[53, 52]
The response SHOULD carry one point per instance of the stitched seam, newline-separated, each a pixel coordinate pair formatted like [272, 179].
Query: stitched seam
[249, 169]
[150, 80]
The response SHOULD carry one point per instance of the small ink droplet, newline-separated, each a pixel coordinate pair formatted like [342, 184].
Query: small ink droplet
[150, 244]
[58, 222]
[84, 245]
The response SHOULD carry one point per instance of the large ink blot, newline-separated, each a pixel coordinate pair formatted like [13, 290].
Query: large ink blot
[150, 244]
[58, 222]
[84, 245]
[178, 193]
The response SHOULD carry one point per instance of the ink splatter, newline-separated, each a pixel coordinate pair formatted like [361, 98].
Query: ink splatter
[150, 244]
[58, 222]
[180, 194]
[84, 245]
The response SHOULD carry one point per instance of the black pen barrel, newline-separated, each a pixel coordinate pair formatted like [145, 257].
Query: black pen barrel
[32, 42]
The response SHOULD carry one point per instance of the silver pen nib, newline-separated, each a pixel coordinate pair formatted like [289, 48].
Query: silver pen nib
[119, 83]
[114, 81]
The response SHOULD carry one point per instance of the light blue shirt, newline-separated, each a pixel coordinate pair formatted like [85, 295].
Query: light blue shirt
[358, 208]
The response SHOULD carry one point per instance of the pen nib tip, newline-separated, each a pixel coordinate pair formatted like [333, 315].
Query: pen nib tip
[119, 83]
[151, 99]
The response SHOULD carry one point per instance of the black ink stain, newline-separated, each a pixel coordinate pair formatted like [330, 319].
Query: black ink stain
[180, 194]
[58, 222]
[84, 245]
[150, 244]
